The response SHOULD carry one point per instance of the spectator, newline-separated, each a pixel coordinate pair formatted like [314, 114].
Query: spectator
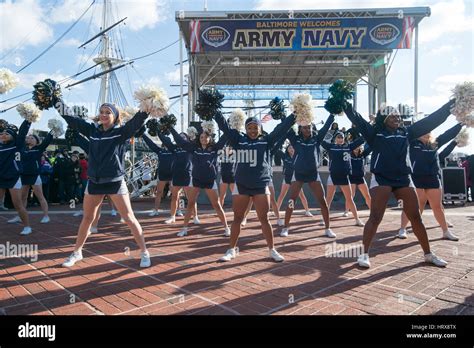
[65, 168]
[46, 170]
[84, 165]
[77, 177]
[468, 166]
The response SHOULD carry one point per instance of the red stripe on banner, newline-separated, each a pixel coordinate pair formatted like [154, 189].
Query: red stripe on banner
[198, 41]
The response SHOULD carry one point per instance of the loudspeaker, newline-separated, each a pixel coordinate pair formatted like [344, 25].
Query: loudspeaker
[454, 184]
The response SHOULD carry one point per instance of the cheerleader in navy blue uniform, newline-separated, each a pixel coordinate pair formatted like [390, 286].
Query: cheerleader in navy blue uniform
[181, 169]
[306, 145]
[357, 177]
[339, 170]
[12, 145]
[288, 170]
[204, 162]
[227, 168]
[426, 177]
[106, 172]
[390, 167]
[30, 177]
[164, 172]
[252, 177]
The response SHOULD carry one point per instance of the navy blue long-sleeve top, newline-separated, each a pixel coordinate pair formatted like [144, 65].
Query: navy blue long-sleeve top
[11, 153]
[340, 156]
[165, 156]
[30, 158]
[390, 148]
[446, 152]
[254, 170]
[357, 162]
[182, 160]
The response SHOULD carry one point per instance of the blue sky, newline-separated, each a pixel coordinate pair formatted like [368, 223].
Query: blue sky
[28, 26]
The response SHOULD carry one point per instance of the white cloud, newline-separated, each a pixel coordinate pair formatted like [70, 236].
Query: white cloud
[28, 80]
[22, 24]
[173, 76]
[70, 43]
[444, 49]
[141, 14]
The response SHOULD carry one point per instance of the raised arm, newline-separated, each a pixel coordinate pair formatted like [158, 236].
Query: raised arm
[75, 122]
[129, 129]
[367, 150]
[447, 150]
[167, 142]
[82, 141]
[429, 123]
[151, 144]
[223, 140]
[183, 143]
[356, 143]
[322, 132]
[291, 136]
[326, 145]
[46, 141]
[448, 135]
[232, 135]
[364, 127]
[22, 132]
[281, 130]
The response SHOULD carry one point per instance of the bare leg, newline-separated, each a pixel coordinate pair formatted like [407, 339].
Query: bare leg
[18, 205]
[222, 192]
[158, 193]
[192, 194]
[304, 201]
[91, 207]
[262, 206]
[273, 202]
[283, 191]
[330, 194]
[239, 206]
[365, 193]
[422, 199]
[318, 191]
[380, 196]
[346, 190]
[435, 199]
[38, 192]
[214, 199]
[295, 189]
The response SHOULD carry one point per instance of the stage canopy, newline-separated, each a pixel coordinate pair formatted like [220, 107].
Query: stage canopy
[298, 50]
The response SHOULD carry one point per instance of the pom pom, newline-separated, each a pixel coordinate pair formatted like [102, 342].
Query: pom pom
[166, 123]
[80, 111]
[303, 109]
[462, 139]
[56, 127]
[237, 119]
[277, 108]
[340, 92]
[210, 102]
[152, 100]
[192, 132]
[70, 136]
[464, 104]
[208, 127]
[29, 112]
[46, 93]
[127, 113]
[153, 127]
[8, 80]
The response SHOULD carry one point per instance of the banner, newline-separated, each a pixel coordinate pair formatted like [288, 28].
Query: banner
[301, 34]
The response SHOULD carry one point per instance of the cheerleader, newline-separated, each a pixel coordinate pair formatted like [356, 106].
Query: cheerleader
[288, 169]
[426, 177]
[164, 171]
[106, 172]
[227, 167]
[12, 145]
[30, 177]
[357, 176]
[306, 145]
[252, 176]
[339, 170]
[181, 169]
[204, 162]
[391, 170]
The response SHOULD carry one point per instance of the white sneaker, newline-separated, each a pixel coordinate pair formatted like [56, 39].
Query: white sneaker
[284, 232]
[229, 255]
[450, 235]
[346, 214]
[435, 260]
[183, 232]
[244, 222]
[26, 231]
[73, 258]
[276, 256]
[402, 233]
[308, 213]
[281, 222]
[170, 220]
[154, 212]
[77, 213]
[113, 212]
[2, 207]
[364, 261]
[196, 221]
[321, 223]
[227, 232]
[45, 220]
[359, 223]
[179, 213]
[93, 229]
[145, 259]
[450, 224]
[329, 233]
[14, 220]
